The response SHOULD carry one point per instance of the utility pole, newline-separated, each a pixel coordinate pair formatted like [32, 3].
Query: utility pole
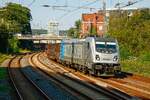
[105, 19]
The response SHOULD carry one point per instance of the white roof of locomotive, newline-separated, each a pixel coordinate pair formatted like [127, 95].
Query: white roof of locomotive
[73, 40]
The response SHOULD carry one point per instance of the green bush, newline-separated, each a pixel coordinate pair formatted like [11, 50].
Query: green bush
[132, 33]
[145, 56]
[3, 73]
[3, 57]
[13, 45]
[136, 66]
[124, 52]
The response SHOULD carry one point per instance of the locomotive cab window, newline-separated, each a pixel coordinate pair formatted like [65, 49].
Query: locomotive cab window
[106, 47]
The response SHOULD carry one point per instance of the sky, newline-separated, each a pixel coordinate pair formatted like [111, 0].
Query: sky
[66, 16]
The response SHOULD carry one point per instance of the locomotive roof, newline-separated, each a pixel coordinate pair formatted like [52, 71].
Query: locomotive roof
[74, 40]
[100, 39]
[105, 39]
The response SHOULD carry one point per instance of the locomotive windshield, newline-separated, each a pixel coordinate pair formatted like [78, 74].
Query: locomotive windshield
[106, 47]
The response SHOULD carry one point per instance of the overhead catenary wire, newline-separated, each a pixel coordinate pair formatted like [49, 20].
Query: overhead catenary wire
[76, 9]
[54, 7]
[33, 1]
[129, 3]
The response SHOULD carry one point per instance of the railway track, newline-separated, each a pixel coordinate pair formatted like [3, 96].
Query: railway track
[48, 86]
[24, 87]
[60, 84]
[133, 85]
[140, 86]
[90, 90]
[50, 80]
[60, 92]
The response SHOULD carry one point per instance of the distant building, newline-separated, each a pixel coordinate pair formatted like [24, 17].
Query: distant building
[63, 32]
[95, 21]
[53, 28]
[39, 31]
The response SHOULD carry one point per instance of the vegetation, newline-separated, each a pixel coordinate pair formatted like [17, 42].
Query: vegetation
[4, 87]
[74, 32]
[136, 66]
[24, 51]
[17, 18]
[14, 18]
[133, 34]
[3, 57]
[3, 73]
[71, 32]
[93, 31]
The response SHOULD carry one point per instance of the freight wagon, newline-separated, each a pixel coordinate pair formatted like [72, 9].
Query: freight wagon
[53, 51]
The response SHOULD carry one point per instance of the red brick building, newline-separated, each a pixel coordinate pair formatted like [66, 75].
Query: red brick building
[94, 20]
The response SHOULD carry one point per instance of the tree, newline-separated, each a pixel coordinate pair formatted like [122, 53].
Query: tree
[71, 32]
[132, 32]
[75, 32]
[13, 45]
[92, 31]
[18, 15]
[14, 18]
[78, 28]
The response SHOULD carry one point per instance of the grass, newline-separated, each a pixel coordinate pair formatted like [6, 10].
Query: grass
[24, 50]
[136, 66]
[3, 74]
[4, 88]
[3, 71]
[3, 57]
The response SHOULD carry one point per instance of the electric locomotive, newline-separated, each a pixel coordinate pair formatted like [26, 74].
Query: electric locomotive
[104, 54]
[93, 55]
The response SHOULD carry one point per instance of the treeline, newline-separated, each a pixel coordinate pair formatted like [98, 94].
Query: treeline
[14, 18]
[132, 31]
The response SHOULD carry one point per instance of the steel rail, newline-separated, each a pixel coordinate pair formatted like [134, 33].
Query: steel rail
[110, 90]
[12, 79]
[34, 84]
[59, 81]
[20, 95]
[99, 89]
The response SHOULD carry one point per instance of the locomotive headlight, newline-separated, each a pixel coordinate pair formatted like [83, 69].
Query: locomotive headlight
[97, 57]
[115, 58]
